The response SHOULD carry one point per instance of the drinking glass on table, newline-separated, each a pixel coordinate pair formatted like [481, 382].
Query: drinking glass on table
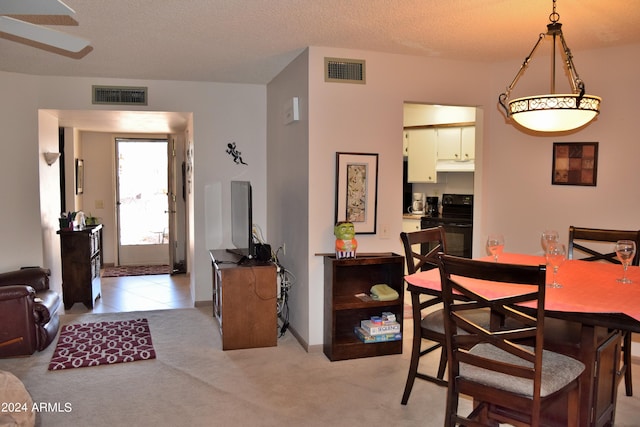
[626, 250]
[556, 254]
[495, 245]
[548, 236]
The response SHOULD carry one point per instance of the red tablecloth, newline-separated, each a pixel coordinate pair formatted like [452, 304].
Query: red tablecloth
[587, 287]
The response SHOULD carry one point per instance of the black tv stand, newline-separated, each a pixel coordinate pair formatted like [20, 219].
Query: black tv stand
[245, 260]
[240, 252]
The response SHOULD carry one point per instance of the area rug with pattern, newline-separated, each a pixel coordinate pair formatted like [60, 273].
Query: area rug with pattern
[102, 343]
[135, 270]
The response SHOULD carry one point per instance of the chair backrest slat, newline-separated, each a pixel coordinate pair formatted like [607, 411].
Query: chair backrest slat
[459, 277]
[431, 241]
[580, 236]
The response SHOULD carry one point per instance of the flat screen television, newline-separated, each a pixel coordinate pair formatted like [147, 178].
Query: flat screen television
[241, 219]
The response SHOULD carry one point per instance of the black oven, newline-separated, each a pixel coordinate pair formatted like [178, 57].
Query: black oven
[457, 220]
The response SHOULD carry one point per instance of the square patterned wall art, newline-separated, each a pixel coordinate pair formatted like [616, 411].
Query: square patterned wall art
[575, 163]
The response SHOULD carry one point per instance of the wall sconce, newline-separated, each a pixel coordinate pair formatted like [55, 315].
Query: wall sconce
[51, 158]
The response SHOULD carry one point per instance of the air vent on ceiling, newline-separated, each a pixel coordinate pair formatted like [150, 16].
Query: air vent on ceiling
[120, 95]
[344, 70]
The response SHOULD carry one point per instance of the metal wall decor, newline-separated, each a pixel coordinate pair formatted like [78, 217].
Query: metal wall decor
[232, 150]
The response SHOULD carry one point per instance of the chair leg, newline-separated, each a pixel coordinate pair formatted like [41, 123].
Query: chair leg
[443, 362]
[411, 378]
[452, 408]
[626, 360]
[415, 358]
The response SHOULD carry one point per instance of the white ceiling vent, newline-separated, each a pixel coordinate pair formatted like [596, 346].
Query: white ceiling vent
[119, 95]
[344, 70]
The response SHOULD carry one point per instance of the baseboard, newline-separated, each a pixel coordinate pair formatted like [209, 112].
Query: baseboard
[205, 303]
[303, 343]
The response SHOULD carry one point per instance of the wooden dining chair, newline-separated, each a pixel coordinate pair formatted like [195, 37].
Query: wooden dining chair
[428, 321]
[509, 382]
[584, 241]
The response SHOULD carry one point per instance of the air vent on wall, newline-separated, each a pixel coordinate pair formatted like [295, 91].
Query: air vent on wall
[119, 95]
[344, 70]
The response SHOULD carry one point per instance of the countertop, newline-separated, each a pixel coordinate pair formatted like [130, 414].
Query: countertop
[412, 216]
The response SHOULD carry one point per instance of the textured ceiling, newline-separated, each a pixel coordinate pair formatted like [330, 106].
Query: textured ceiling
[250, 41]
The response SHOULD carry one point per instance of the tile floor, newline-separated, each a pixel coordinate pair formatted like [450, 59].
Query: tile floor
[139, 293]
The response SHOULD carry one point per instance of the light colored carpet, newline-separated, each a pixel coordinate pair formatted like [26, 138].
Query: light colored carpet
[192, 382]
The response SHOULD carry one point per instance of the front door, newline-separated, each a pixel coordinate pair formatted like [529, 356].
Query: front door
[142, 208]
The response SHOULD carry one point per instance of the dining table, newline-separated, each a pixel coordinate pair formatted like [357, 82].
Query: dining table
[590, 297]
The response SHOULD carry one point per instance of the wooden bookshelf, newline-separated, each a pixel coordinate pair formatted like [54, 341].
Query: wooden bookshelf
[343, 280]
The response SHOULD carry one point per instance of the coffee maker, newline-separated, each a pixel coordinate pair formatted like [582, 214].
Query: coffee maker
[432, 207]
[417, 204]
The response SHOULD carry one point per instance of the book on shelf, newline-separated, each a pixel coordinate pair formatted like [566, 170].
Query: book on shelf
[373, 328]
[368, 338]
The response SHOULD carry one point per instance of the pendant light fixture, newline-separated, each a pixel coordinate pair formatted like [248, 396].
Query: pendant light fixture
[552, 112]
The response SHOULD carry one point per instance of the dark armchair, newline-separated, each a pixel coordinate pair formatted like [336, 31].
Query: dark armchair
[29, 318]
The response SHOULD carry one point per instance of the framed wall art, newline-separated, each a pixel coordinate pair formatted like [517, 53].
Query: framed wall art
[575, 163]
[357, 190]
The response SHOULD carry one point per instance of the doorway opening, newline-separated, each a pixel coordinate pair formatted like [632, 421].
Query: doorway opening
[439, 146]
[142, 201]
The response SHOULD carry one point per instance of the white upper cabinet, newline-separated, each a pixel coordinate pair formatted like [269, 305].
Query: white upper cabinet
[421, 155]
[468, 142]
[456, 143]
[449, 145]
[405, 143]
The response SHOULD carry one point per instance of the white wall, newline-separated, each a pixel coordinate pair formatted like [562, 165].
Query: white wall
[99, 159]
[222, 113]
[513, 168]
[49, 205]
[519, 199]
[512, 182]
[20, 227]
[369, 119]
[288, 177]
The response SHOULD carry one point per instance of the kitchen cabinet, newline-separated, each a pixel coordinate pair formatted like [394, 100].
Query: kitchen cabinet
[411, 223]
[456, 143]
[421, 155]
[468, 143]
[405, 144]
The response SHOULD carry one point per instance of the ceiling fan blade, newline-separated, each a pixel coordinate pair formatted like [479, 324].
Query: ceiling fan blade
[34, 7]
[42, 34]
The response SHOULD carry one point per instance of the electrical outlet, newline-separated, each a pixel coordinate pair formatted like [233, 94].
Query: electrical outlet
[384, 231]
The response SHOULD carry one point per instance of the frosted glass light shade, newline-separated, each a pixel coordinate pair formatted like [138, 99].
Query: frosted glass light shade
[554, 113]
[51, 158]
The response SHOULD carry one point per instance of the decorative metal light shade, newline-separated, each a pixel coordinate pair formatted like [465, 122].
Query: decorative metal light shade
[552, 112]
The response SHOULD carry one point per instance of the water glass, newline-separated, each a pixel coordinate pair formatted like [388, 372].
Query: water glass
[556, 254]
[495, 245]
[548, 236]
[626, 250]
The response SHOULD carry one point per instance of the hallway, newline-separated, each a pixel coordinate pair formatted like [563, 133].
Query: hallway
[140, 293]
